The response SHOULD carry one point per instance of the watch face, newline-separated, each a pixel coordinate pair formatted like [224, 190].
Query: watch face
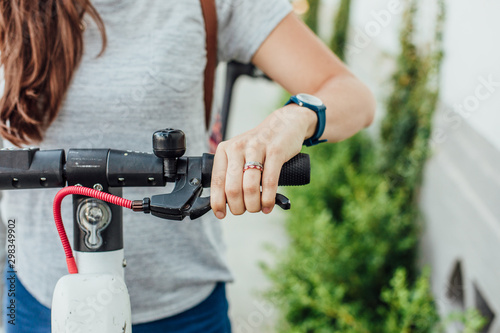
[309, 99]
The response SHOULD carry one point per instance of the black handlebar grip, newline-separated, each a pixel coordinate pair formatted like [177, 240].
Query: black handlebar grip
[296, 171]
[31, 168]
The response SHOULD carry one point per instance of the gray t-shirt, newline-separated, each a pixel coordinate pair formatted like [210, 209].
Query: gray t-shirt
[149, 78]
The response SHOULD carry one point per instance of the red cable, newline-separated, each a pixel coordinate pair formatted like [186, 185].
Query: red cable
[88, 192]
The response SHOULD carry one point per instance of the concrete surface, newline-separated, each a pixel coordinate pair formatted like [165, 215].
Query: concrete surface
[247, 235]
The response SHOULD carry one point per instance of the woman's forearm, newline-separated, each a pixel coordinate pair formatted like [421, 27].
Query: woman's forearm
[350, 107]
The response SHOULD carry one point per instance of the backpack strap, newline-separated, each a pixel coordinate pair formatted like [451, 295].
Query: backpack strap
[210, 16]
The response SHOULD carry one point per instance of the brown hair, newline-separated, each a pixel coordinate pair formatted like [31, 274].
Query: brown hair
[41, 45]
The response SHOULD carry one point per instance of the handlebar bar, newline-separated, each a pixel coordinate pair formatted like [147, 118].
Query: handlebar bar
[33, 168]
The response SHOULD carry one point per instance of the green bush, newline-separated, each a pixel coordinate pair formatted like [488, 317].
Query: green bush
[350, 266]
[406, 128]
[348, 238]
[311, 16]
[409, 309]
[341, 25]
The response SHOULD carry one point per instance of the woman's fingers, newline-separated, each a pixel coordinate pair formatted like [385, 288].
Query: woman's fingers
[240, 189]
[251, 180]
[218, 185]
[234, 181]
[270, 177]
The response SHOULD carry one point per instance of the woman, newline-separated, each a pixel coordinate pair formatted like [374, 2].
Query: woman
[107, 73]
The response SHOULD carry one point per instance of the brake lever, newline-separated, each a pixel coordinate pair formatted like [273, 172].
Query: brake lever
[185, 200]
[282, 201]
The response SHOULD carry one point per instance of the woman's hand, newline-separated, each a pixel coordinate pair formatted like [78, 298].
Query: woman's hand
[276, 140]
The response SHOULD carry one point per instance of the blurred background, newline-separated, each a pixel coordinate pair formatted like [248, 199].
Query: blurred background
[400, 227]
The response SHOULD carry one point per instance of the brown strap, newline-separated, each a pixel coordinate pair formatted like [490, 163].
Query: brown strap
[210, 17]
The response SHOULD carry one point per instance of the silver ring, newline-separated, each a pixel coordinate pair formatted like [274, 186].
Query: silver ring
[253, 163]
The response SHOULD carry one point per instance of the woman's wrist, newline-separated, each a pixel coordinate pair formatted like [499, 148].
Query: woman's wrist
[303, 116]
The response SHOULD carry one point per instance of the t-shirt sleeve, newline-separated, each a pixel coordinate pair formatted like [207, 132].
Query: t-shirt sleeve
[245, 24]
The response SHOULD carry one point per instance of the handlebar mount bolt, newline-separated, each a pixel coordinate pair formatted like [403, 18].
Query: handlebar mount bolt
[98, 187]
[43, 181]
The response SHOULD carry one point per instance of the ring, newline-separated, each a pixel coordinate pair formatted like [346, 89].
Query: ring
[253, 165]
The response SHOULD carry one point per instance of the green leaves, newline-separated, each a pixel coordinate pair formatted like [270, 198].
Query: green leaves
[410, 308]
[311, 16]
[341, 26]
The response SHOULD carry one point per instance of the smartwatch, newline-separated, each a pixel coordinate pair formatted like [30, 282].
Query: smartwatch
[314, 104]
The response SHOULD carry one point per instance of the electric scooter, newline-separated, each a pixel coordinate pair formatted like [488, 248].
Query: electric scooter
[95, 177]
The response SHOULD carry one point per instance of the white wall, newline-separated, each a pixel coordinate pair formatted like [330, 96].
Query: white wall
[473, 52]
[461, 192]
[471, 46]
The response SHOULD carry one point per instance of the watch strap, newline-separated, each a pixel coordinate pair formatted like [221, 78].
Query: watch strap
[320, 125]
